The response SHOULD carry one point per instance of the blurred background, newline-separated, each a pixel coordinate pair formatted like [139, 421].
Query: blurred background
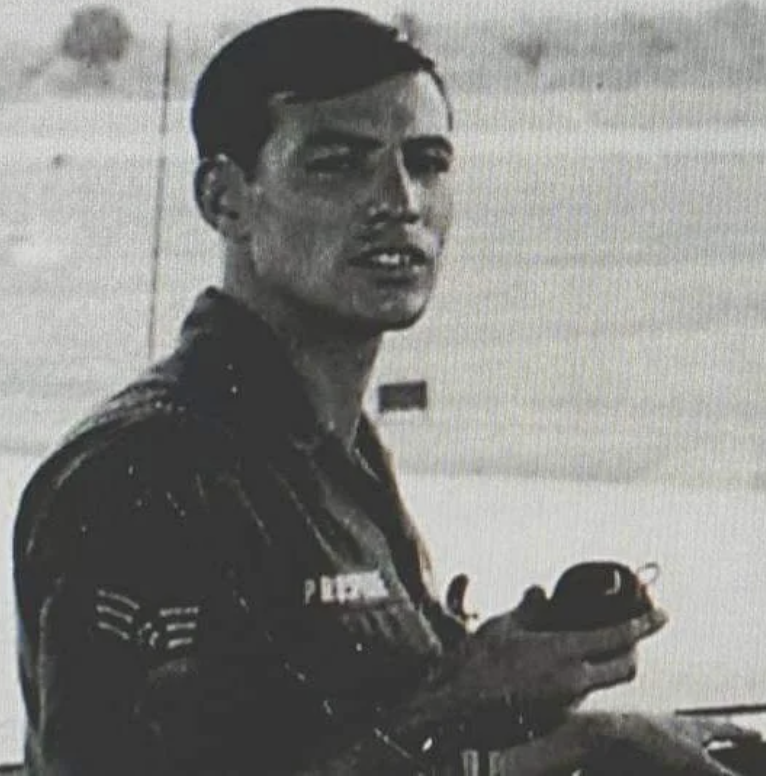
[590, 380]
[600, 315]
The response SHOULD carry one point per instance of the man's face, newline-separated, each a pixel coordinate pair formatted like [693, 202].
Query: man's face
[352, 202]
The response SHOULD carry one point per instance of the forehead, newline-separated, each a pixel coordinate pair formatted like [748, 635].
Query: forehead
[406, 105]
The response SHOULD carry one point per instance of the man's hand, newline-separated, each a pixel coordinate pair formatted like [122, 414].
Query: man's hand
[602, 744]
[504, 659]
[666, 744]
[508, 679]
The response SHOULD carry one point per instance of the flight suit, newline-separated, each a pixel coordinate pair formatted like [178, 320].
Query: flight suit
[209, 583]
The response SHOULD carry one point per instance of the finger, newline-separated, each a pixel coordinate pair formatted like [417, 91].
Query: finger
[531, 607]
[532, 603]
[533, 596]
[609, 673]
[616, 638]
[724, 730]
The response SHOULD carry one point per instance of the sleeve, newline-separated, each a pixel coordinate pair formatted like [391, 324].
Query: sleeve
[138, 652]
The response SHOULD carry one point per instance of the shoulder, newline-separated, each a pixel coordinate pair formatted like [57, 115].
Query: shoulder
[151, 426]
[117, 461]
[151, 440]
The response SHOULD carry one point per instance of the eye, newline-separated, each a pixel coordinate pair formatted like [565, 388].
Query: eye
[332, 162]
[428, 163]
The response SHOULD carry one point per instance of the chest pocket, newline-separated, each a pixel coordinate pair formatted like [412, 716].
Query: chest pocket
[367, 647]
[343, 615]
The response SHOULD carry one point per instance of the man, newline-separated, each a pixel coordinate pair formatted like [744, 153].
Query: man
[215, 573]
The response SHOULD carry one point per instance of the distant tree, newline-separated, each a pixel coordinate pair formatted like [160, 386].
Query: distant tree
[531, 50]
[648, 33]
[96, 36]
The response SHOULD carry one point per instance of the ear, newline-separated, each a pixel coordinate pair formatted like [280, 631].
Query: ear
[224, 197]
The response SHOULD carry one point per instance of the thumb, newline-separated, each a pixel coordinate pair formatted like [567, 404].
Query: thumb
[530, 610]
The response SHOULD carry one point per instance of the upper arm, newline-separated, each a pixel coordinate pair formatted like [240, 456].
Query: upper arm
[153, 596]
[135, 642]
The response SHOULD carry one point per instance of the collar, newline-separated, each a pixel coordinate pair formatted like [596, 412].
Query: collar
[233, 367]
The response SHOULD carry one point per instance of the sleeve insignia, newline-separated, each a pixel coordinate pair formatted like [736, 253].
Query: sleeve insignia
[164, 630]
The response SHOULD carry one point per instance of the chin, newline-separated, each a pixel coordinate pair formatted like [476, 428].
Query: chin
[374, 326]
[404, 323]
[399, 322]
[400, 315]
[373, 321]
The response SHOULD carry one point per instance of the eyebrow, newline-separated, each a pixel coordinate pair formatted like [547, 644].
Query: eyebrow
[336, 137]
[428, 142]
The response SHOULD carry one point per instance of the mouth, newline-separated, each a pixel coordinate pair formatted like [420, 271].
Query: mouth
[407, 259]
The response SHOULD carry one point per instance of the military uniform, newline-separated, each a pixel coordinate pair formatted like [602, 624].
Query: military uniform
[209, 583]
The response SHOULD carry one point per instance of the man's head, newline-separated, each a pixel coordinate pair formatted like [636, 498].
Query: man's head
[324, 157]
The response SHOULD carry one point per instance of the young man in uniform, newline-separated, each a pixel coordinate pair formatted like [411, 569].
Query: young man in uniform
[215, 573]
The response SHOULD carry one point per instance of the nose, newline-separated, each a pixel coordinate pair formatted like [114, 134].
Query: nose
[397, 195]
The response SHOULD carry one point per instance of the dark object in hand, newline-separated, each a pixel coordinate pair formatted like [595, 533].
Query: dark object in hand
[593, 595]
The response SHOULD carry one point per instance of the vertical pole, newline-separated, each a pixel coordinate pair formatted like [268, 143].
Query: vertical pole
[159, 194]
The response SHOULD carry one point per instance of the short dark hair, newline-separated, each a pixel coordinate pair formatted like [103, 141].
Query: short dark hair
[311, 54]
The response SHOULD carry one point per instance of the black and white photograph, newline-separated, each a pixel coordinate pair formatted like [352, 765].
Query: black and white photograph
[383, 388]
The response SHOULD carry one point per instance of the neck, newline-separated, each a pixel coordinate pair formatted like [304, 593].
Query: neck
[336, 373]
[333, 358]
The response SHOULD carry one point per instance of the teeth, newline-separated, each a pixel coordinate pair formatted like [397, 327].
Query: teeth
[391, 259]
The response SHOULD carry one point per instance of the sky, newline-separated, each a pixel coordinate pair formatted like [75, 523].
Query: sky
[40, 20]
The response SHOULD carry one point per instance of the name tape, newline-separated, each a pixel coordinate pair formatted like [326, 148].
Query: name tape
[354, 587]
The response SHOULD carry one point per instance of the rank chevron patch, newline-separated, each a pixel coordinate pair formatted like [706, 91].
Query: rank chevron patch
[164, 629]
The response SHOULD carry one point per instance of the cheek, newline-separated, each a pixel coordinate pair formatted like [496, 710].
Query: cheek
[440, 209]
[316, 201]
[301, 222]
